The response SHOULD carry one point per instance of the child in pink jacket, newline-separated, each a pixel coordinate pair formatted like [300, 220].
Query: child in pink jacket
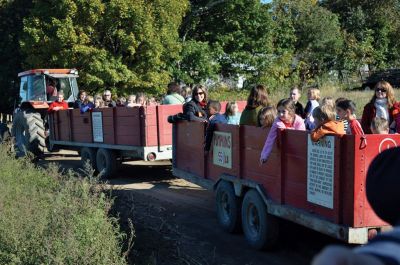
[287, 119]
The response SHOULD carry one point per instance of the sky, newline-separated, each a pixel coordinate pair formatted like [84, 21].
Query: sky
[266, 1]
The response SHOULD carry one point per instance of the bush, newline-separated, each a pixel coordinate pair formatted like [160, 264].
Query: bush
[50, 218]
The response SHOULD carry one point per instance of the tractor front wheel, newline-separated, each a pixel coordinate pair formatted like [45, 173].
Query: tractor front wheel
[29, 133]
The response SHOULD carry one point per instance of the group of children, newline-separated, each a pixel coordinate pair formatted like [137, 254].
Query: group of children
[327, 117]
[87, 102]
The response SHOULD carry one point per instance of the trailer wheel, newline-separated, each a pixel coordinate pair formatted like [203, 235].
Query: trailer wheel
[29, 132]
[106, 162]
[88, 155]
[260, 228]
[228, 207]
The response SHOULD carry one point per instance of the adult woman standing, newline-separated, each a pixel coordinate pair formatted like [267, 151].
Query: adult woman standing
[381, 105]
[257, 100]
[195, 109]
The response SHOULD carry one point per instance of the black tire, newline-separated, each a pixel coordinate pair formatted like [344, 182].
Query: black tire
[260, 228]
[29, 133]
[227, 207]
[106, 162]
[88, 155]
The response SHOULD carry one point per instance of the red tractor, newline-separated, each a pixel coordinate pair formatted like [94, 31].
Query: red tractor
[38, 89]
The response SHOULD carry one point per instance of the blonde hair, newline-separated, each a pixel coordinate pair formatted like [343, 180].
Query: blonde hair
[380, 125]
[89, 98]
[328, 101]
[389, 93]
[100, 100]
[315, 93]
[324, 113]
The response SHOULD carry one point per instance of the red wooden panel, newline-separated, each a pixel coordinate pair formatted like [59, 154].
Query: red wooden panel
[151, 138]
[189, 147]
[214, 171]
[81, 125]
[108, 139]
[127, 112]
[108, 121]
[108, 134]
[164, 127]
[107, 112]
[83, 138]
[128, 126]
[268, 175]
[149, 126]
[347, 170]
[294, 173]
[365, 151]
[63, 125]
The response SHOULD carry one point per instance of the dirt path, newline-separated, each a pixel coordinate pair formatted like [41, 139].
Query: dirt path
[175, 222]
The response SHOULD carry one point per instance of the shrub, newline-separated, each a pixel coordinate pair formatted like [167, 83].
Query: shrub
[52, 218]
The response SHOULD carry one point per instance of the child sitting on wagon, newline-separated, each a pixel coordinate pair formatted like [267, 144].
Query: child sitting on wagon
[213, 108]
[325, 122]
[313, 96]
[232, 113]
[346, 111]
[379, 126]
[287, 119]
[87, 104]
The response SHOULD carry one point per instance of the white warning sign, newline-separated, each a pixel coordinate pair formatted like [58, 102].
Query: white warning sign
[320, 171]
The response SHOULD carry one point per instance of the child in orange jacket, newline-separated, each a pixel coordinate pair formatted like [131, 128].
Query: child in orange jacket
[326, 123]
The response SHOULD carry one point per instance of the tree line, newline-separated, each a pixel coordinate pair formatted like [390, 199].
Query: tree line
[141, 45]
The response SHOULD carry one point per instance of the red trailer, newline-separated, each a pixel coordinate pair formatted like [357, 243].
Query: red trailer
[317, 185]
[107, 136]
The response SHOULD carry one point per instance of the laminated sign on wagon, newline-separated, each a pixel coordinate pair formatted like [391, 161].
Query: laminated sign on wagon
[320, 171]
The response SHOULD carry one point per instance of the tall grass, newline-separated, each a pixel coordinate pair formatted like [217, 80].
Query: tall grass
[328, 89]
[50, 218]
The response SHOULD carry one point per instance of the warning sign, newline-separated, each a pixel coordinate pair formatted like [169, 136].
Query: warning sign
[320, 171]
[97, 123]
[222, 149]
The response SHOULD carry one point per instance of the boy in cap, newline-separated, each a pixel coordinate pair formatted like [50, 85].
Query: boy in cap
[382, 189]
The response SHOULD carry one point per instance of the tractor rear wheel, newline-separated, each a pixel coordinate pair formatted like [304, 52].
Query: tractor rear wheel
[29, 133]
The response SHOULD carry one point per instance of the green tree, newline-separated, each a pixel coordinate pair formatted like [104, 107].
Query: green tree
[371, 28]
[197, 63]
[128, 45]
[239, 33]
[11, 24]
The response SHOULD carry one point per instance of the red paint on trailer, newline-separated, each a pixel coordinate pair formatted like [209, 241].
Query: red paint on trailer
[268, 175]
[190, 147]
[284, 176]
[127, 126]
[82, 126]
[164, 127]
